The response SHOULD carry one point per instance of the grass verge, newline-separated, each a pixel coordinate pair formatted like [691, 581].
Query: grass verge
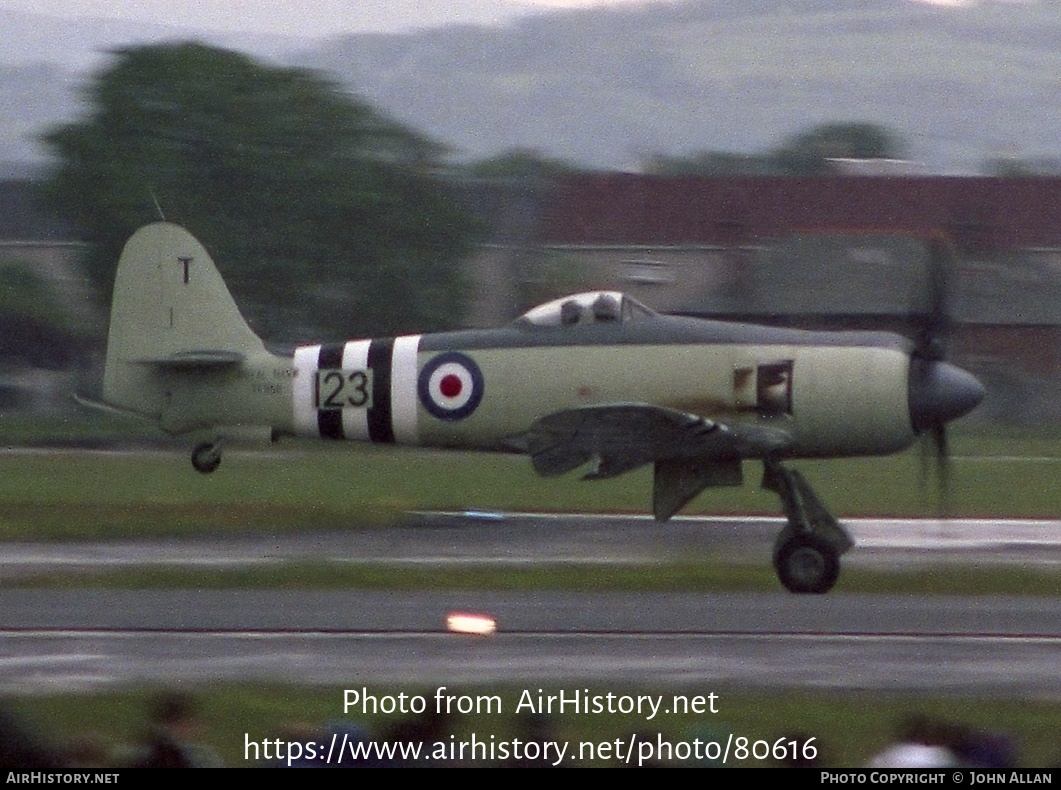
[942, 579]
[297, 487]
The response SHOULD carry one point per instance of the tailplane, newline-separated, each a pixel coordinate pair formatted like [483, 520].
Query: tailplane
[171, 313]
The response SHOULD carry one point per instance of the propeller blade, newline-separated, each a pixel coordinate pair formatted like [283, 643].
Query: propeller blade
[935, 463]
[946, 395]
[934, 324]
[939, 438]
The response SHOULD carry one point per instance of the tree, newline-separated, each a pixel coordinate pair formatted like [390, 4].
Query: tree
[1015, 167]
[36, 328]
[808, 152]
[522, 163]
[710, 163]
[326, 218]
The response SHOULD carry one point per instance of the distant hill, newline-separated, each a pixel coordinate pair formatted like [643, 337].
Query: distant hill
[607, 87]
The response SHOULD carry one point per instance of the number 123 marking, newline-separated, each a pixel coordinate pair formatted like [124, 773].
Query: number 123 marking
[344, 389]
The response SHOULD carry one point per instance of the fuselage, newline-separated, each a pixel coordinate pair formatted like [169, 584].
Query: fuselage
[836, 393]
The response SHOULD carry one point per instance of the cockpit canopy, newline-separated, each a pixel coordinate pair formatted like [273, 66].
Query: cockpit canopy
[591, 307]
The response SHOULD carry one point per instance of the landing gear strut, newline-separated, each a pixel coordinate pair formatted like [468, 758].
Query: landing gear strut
[807, 551]
[206, 457]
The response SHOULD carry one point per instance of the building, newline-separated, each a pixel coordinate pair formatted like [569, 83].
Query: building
[828, 252]
[41, 352]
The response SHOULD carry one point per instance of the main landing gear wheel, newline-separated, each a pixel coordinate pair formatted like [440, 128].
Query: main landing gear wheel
[206, 457]
[807, 552]
[807, 564]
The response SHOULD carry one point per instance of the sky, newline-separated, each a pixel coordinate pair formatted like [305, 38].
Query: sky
[299, 18]
[319, 18]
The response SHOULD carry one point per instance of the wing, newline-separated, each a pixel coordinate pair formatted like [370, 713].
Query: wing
[621, 437]
[690, 452]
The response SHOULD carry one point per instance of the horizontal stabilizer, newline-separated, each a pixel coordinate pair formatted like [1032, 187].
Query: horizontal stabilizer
[106, 408]
[195, 359]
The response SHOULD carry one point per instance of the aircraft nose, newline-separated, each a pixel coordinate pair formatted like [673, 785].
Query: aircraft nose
[941, 392]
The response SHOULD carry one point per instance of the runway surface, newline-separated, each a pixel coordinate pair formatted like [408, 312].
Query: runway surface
[521, 538]
[85, 638]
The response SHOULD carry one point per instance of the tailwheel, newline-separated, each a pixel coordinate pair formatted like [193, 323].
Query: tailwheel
[806, 563]
[206, 457]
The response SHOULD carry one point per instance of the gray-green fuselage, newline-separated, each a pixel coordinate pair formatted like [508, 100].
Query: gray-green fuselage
[836, 394]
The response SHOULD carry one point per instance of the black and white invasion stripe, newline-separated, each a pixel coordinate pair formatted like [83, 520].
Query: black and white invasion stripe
[391, 416]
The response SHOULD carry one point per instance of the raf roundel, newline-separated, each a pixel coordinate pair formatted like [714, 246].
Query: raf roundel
[450, 386]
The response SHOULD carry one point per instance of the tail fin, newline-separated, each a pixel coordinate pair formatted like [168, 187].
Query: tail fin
[170, 310]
